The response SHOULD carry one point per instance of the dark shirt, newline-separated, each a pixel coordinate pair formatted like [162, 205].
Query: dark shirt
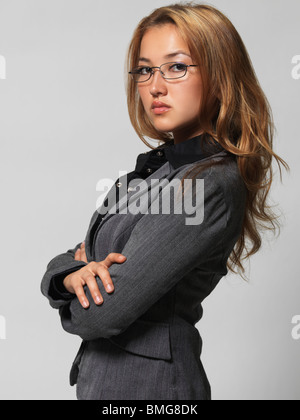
[186, 152]
[180, 154]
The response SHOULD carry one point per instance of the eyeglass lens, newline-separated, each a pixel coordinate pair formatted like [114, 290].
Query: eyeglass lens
[169, 71]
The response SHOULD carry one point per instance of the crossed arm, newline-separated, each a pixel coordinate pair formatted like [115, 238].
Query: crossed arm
[74, 282]
[161, 250]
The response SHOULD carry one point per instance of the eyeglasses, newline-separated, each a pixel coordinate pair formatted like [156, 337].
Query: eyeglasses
[168, 71]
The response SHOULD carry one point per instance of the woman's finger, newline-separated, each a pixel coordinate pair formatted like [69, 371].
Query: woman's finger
[102, 270]
[94, 289]
[83, 253]
[79, 291]
[103, 274]
[77, 255]
[114, 257]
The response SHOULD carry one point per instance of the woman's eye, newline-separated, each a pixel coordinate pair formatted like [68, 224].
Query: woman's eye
[177, 67]
[144, 70]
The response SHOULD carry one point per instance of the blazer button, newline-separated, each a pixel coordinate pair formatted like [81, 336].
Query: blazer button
[149, 170]
[159, 153]
[119, 184]
[130, 189]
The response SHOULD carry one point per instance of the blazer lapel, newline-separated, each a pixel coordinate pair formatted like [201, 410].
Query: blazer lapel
[139, 187]
[108, 208]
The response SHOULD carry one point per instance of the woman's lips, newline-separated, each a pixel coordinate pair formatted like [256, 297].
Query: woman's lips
[160, 110]
[159, 107]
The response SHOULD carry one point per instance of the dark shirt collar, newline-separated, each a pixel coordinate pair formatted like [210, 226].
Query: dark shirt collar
[188, 151]
[191, 150]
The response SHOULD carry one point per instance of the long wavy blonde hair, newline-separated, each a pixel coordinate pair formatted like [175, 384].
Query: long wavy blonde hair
[239, 118]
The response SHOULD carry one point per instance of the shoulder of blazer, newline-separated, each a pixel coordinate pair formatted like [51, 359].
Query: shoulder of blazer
[221, 168]
[221, 174]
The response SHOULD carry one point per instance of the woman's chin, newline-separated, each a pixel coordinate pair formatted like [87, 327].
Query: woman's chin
[166, 128]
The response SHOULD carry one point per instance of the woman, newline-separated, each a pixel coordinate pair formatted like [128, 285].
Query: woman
[133, 289]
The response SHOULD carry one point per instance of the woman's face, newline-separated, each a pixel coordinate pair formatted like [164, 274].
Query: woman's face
[183, 96]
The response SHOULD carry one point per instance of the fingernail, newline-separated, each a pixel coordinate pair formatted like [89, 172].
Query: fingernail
[109, 288]
[98, 299]
[85, 304]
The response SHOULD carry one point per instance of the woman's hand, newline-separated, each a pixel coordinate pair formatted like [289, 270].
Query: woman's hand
[74, 282]
[80, 254]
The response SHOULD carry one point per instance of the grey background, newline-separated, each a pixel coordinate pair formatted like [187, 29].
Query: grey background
[64, 126]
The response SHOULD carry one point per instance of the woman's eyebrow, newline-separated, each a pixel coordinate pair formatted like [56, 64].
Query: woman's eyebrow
[171, 55]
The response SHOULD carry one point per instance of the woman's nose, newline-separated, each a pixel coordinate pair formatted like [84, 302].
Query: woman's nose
[158, 83]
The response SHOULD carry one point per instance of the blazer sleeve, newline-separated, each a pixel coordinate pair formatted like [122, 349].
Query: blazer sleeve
[161, 249]
[62, 265]
[57, 269]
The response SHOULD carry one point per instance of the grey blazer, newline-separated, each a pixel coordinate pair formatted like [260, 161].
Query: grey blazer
[142, 343]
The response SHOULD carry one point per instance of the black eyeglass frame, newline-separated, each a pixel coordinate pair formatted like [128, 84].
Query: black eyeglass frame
[156, 67]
